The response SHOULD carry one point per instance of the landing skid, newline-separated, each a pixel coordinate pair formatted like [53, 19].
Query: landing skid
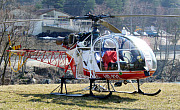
[90, 88]
[98, 88]
[139, 91]
[143, 93]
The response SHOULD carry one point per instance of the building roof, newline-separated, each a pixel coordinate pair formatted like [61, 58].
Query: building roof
[42, 11]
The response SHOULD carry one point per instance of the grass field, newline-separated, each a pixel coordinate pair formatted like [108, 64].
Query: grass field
[37, 97]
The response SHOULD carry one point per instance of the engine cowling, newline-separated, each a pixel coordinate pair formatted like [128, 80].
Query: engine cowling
[72, 39]
[68, 40]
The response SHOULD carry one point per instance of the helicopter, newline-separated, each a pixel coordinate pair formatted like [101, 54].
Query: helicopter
[90, 55]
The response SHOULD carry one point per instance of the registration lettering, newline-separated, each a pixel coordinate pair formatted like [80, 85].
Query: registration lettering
[111, 76]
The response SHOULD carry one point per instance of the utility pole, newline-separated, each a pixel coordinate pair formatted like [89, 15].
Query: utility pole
[131, 14]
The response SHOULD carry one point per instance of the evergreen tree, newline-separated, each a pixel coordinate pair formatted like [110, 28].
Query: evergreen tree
[117, 5]
[156, 3]
[21, 1]
[55, 3]
[99, 2]
[90, 5]
[74, 7]
[170, 3]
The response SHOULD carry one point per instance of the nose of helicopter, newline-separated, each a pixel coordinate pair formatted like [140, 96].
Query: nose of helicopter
[149, 57]
[150, 62]
[146, 72]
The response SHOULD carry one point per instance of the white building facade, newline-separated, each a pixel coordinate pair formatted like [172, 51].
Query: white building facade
[58, 22]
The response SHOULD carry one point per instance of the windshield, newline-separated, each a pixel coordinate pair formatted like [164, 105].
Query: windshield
[130, 58]
[147, 51]
[108, 43]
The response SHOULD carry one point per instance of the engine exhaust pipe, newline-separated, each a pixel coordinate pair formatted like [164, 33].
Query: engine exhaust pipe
[60, 40]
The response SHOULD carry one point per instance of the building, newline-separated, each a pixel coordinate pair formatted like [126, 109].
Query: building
[55, 21]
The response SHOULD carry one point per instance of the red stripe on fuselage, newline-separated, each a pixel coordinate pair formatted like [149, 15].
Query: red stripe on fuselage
[118, 76]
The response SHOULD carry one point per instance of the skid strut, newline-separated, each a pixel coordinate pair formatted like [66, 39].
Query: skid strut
[60, 87]
[92, 80]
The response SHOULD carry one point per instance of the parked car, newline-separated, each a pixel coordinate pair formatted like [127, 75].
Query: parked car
[152, 33]
[144, 34]
[136, 34]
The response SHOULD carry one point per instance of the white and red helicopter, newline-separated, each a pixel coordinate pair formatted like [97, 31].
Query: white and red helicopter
[94, 56]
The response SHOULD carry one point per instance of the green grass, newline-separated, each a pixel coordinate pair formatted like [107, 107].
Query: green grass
[37, 97]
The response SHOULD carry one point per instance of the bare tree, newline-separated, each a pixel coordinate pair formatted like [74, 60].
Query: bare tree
[10, 10]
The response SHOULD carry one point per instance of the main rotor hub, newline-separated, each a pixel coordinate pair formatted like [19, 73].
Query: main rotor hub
[92, 17]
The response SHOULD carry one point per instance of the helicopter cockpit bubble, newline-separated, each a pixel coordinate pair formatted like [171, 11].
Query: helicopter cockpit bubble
[123, 51]
[106, 32]
[130, 57]
[150, 58]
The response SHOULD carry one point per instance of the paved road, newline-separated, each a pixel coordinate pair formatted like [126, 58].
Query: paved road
[161, 55]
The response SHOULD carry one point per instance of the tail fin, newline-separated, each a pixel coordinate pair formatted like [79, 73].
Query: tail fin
[9, 48]
[10, 44]
[9, 37]
[12, 48]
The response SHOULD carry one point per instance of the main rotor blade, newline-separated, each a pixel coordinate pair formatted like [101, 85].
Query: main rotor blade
[145, 16]
[79, 17]
[28, 20]
[110, 26]
[94, 18]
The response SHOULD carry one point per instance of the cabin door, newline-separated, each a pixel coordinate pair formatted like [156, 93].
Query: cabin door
[106, 55]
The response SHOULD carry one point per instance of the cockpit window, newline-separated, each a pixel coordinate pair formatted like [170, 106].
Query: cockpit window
[130, 57]
[124, 43]
[108, 43]
[106, 55]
